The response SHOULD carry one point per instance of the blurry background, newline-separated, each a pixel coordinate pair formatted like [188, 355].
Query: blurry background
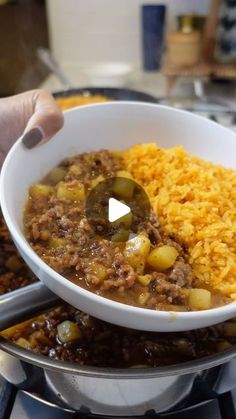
[106, 30]
[181, 49]
[23, 27]
[78, 32]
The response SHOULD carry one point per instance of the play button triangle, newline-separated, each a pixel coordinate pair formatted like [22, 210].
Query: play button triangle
[116, 210]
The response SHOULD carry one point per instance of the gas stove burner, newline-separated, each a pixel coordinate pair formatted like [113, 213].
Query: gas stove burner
[207, 400]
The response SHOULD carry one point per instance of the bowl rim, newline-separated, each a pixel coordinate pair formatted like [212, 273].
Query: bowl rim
[225, 310]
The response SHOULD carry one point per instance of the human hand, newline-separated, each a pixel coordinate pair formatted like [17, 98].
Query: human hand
[33, 114]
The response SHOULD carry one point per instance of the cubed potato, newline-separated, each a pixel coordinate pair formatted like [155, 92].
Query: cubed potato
[14, 263]
[144, 280]
[200, 299]
[45, 234]
[99, 270]
[34, 338]
[56, 175]
[72, 192]
[39, 190]
[38, 337]
[76, 170]
[124, 221]
[120, 236]
[124, 173]
[96, 181]
[162, 258]
[143, 298]
[137, 249]
[23, 343]
[56, 242]
[123, 186]
[68, 331]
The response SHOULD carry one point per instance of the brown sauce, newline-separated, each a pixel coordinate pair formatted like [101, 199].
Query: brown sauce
[93, 342]
[150, 271]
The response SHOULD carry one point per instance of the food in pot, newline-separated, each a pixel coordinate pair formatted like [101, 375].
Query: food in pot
[68, 102]
[150, 270]
[67, 334]
[195, 202]
[13, 271]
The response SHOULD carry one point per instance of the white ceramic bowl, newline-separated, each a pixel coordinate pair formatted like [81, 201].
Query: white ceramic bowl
[115, 125]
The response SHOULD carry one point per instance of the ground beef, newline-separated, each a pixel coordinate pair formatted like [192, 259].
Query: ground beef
[92, 165]
[90, 260]
[9, 258]
[181, 274]
[104, 345]
[153, 230]
[165, 291]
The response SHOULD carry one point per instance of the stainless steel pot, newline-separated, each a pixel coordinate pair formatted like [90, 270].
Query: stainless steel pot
[100, 390]
[104, 390]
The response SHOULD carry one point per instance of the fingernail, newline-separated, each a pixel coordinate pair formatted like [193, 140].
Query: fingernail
[32, 137]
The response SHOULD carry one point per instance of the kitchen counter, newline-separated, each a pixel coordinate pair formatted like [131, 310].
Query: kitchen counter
[154, 83]
[148, 82]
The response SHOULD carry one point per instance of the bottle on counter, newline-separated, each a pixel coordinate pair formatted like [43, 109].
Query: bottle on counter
[183, 49]
[191, 23]
[153, 24]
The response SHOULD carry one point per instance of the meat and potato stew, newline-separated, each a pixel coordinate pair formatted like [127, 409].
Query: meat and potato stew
[67, 334]
[14, 273]
[148, 270]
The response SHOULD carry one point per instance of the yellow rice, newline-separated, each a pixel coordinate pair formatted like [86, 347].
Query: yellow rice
[69, 102]
[196, 202]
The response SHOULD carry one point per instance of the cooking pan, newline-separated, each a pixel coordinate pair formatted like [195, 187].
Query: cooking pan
[46, 57]
[112, 93]
[108, 391]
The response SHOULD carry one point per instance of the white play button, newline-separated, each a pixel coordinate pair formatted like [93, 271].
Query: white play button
[116, 210]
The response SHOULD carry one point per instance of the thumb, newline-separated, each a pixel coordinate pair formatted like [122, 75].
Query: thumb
[45, 121]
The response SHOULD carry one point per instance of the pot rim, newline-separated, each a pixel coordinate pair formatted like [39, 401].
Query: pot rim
[113, 93]
[116, 373]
